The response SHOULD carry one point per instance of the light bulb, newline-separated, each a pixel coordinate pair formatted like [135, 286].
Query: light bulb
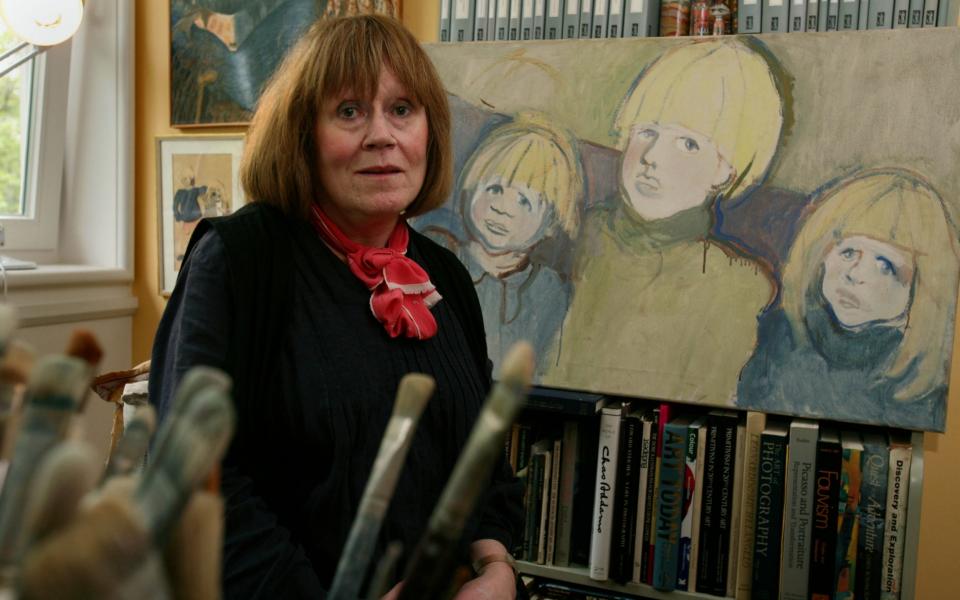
[42, 22]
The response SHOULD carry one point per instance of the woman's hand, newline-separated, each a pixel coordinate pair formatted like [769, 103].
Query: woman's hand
[497, 582]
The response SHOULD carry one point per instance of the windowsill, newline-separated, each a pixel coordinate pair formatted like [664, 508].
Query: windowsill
[62, 293]
[66, 274]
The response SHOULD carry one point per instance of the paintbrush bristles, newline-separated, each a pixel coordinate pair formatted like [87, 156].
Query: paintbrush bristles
[518, 364]
[66, 475]
[17, 363]
[91, 557]
[84, 345]
[413, 393]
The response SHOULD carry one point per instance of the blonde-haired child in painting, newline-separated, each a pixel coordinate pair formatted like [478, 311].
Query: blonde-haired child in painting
[522, 186]
[661, 307]
[864, 330]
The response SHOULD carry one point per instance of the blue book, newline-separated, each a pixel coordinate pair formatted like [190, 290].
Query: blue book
[670, 504]
[875, 464]
[769, 517]
[565, 401]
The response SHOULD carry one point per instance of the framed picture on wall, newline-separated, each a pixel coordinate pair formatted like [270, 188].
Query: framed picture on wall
[222, 52]
[198, 177]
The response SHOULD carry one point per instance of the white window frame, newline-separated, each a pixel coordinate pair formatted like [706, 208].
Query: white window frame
[38, 229]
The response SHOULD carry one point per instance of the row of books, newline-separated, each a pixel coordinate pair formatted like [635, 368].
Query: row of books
[714, 502]
[502, 20]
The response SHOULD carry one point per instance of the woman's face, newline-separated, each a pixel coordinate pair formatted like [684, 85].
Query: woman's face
[866, 280]
[372, 154]
[508, 216]
[668, 168]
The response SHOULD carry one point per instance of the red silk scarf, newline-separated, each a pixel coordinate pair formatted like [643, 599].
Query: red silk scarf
[402, 293]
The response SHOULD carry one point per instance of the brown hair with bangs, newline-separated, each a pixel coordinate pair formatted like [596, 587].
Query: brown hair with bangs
[281, 155]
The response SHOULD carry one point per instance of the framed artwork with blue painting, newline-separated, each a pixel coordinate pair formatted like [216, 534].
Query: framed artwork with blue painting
[222, 52]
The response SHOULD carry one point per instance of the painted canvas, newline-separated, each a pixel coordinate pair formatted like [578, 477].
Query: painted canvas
[760, 222]
[222, 52]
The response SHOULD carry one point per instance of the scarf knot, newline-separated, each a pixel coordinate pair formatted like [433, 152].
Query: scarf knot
[401, 291]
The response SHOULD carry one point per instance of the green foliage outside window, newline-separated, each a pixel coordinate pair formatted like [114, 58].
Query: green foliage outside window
[11, 169]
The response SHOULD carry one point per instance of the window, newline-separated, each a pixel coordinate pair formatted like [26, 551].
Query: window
[16, 95]
[33, 100]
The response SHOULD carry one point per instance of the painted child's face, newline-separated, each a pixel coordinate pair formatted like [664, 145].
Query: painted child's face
[668, 168]
[866, 280]
[508, 216]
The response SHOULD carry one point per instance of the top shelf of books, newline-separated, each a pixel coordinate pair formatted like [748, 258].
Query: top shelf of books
[518, 20]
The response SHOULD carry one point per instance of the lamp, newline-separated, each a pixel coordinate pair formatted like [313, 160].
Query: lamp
[40, 24]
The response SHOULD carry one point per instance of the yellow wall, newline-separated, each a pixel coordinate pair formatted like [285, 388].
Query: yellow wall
[940, 523]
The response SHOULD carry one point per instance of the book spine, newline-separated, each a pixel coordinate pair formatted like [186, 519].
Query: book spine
[735, 506]
[823, 537]
[621, 554]
[798, 16]
[901, 14]
[607, 450]
[916, 14]
[848, 524]
[463, 20]
[445, 22]
[615, 21]
[554, 501]
[571, 20]
[726, 509]
[769, 519]
[568, 468]
[523, 447]
[697, 502]
[553, 24]
[708, 558]
[649, 518]
[775, 14]
[480, 30]
[669, 507]
[813, 15]
[849, 14]
[532, 507]
[583, 491]
[544, 507]
[640, 543]
[686, 521]
[756, 422]
[749, 17]
[873, 502]
[586, 18]
[898, 486]
[798, 511]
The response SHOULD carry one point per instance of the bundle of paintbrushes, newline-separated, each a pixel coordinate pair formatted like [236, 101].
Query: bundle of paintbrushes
[72, 528]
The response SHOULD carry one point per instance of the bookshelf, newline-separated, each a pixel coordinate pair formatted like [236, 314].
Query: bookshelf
[580, 574]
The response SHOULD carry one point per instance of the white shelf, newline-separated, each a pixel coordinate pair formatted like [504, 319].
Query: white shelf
[580, 576]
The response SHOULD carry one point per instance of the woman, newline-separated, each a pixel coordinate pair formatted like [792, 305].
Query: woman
[864, 330]
[657, 296]
[521, 187]
[351, 137]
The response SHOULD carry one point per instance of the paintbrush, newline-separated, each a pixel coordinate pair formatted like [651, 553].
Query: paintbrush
[15, 367]
[67, 474]
[128, 454]
[380, 582]
[83, 345]
[413, 393]
[191, 442]
[433, 564]
[53, 394]
[12, 372]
